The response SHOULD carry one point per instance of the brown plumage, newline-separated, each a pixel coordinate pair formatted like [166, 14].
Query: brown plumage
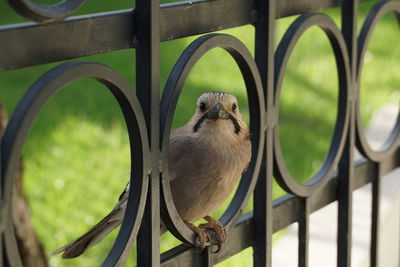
[207, 157]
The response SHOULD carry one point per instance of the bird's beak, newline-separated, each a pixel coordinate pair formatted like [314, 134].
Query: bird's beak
[218, 112]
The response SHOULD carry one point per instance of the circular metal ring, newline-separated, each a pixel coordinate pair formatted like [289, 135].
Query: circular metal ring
[169, 100]
[22, 120]
[45, 13]
[393, 141]
[285, 48]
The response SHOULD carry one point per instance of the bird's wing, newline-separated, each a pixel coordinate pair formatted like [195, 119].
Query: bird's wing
[182, 157]
[124, 194]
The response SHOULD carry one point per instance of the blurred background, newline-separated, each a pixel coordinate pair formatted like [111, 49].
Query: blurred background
[76, 157]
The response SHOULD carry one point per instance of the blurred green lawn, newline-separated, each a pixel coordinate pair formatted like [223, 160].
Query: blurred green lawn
[76, 158]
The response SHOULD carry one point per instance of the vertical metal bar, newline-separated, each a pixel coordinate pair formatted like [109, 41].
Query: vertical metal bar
[2, 226]
[148, 91]
[376, 199]
[349, 30]
[304, 233]
[2, 254]
[208, 259]
[345, 198]
[5, 261]
[264, 56]
[346, 168]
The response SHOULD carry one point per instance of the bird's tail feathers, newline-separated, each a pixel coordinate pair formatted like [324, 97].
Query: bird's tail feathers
[92, 237]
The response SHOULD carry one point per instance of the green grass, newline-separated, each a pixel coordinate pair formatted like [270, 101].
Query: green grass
[76, 156]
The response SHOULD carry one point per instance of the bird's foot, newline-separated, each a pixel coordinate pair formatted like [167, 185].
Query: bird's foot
[218, 228]
[202, 237]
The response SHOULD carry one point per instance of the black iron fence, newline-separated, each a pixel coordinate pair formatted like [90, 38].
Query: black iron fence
[149, 122]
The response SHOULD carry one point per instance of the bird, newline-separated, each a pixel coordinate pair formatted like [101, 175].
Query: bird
[207, 157]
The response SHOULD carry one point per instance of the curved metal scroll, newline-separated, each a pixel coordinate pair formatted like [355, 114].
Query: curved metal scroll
[45, 13]
[169, 100]
[392, 142]
[285, 48]
[22, 120]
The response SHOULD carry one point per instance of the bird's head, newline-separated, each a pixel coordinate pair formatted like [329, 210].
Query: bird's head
[218, 113]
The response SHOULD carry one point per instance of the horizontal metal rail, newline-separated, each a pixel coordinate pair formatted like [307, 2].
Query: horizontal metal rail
[23, 45]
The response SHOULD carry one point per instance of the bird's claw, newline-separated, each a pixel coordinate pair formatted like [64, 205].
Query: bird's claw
[218, 228]
[202, 237]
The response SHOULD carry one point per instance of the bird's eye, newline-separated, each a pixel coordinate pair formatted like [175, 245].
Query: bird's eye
[202, 106]
[234, 107]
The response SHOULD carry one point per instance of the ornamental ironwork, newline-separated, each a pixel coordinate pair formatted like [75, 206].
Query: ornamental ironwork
[148, 116]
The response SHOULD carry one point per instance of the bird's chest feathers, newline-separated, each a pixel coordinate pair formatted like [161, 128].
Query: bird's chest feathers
[223, 149]
[226, 166]
[225, 162]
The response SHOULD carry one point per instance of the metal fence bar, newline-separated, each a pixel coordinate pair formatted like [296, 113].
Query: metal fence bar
[148, 91]
[208, 259]
[22, 44]
[345, 185]
[144, 28]
[346, 168]
[376, 200]
[264, 56]
[345, 201]
[304, 233]
[2, 226]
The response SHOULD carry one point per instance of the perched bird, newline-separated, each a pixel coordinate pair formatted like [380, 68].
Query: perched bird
[206, 158]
